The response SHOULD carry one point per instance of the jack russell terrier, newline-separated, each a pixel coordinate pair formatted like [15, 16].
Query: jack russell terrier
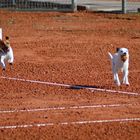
[6, 53]
[120, 61]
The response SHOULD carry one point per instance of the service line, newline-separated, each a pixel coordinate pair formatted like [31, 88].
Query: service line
[71, 86]
[66, 108]
[69, 123]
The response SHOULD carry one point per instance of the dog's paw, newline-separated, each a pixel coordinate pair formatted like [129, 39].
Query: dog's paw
[126, 83]
[11, 64]
[117, 83]
[3, 71]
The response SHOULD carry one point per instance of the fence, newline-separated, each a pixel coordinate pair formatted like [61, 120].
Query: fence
[116, 6]
[71, 5]
[50, 5]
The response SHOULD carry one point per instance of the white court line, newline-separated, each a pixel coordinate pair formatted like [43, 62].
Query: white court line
[70, 86]
[64, 108]
[69, 123]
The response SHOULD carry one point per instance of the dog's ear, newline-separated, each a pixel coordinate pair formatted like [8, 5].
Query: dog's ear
[7, 40]
[117, 49]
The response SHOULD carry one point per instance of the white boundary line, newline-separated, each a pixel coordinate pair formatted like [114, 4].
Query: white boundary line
[70, 86]
[69, 123]
[64, 108]
[1, 33]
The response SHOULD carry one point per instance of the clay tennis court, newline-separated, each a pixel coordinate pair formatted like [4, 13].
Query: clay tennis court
[61, 85]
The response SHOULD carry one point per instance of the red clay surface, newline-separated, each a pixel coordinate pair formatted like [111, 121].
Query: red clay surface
[69, 48]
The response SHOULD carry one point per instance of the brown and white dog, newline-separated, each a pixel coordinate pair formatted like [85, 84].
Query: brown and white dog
[6, 53]
[120, 61]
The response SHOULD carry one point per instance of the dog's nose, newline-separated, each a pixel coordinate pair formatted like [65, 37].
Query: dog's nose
[124, 53]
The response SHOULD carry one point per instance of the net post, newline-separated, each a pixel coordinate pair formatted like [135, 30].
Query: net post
[1, 33]
[124, 5]
[74, 5]
[13, 2]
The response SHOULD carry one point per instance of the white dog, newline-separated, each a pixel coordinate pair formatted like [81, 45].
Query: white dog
[120, 61]
[6, 53]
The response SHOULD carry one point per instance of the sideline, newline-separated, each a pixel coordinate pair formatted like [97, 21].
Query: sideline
[65, 108]
[71, 86]
[69, 123]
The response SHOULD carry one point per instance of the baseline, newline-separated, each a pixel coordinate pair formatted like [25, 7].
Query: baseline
[69, 86]
[69, 123]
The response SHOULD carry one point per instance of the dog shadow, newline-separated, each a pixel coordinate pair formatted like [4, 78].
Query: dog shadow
[78, 87]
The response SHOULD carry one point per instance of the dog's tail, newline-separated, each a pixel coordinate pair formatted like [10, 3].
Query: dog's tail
[110, 55]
